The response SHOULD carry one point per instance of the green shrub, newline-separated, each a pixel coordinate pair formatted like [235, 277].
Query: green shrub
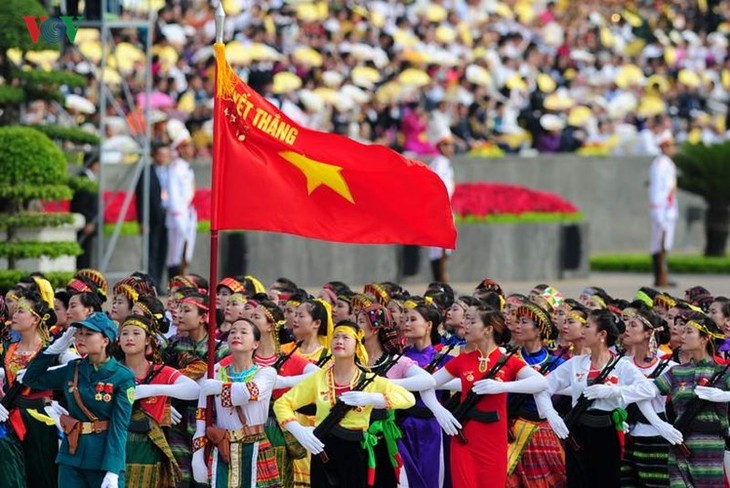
[34, 250]
[29, 157]
[71, 134]
[641, 263]
[524, 218]
[14, 32]
[30, 220]
[9, 277]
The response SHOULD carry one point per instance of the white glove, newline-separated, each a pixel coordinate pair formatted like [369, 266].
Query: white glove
[712, 394]
[110, 480]
[447, 421]
[62, 344]
[145, 391]
[596, 392]
[200, 469]
[19, 375]
[363, 399]
[305, 436]
[211, 387]
[175, 416]
[4, 414]
[667, 430]
[488, 387]
[54, 410]
[558, 425]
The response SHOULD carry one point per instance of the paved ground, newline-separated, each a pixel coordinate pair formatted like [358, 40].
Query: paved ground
[622, 285]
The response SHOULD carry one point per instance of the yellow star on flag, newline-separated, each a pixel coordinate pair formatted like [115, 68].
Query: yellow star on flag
[318, 173]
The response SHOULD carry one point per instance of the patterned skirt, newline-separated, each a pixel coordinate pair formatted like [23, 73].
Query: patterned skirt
[704, 468]
[536, 458]
[278, 445]
[150, 461]
[252, 463]
[12, 467]
[645, 462]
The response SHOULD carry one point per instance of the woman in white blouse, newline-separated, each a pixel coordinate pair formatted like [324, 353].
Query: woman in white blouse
[243, 455]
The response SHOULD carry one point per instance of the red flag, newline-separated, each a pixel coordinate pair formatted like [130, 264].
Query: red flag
[272, 174]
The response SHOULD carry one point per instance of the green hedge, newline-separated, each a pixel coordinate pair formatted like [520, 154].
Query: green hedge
[640, 263]
[11, 94]
[35, 220]
[40, 77]
[523, 218]
[71, 134]
[132, 228]
[9, 277]
[22, 192]
[33, 250]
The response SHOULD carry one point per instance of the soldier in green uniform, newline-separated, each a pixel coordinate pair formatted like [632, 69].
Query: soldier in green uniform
[99, 392]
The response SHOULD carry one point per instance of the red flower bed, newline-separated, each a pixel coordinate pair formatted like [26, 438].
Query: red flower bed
[482, 199]
[113, 202]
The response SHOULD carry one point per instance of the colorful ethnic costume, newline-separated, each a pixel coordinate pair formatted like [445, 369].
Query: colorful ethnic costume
[482, 462]
[347, 465]
[243, 455]
[535, 456]
[150, 461]
[188, 357]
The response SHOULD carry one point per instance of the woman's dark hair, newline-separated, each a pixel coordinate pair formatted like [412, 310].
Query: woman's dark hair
[430, 313]
[471, 301]
[199, 281]
[89, 300]
[391, 287]
[519, 296]
[725, 308]
[658, 324]
[711, 326]
[318, 312]
[347, 297]
[157, 312]
[493, 299]
[195, 294]
[492, 317]
[63, 296]
[276, 314]
[338, 287]
[40, 307]
[286, 285]
[254, 328]
[441, 293]
[650, 292]
[608, 322]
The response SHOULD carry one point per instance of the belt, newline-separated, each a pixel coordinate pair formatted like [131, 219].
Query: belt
[21, 402]
[484, 417]
[347, 434]
[596, 420]
[417, 412]
[241, 435]
[310, 409]
[94, 427]
[378, 414]
[527, 414]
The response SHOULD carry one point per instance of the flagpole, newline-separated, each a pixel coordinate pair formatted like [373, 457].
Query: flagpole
[220, 16]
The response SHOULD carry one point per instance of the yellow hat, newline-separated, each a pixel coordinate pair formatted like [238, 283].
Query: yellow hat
[632, 18]
[628, 75]
[579, 116]
[365, 75]
[327, 94]
[478, 75]
[525, 12]
[414, 77]
[650, 106]
[503, 10]
[670, 55]
[262, 52]
[695, 136]
[308, 57]
[435, 13]
[558, 101]
[237, 53]
[569, 74]
[689, 78]
[445, 34]
[634, 48]
[656, 84]
[285, 82]
[377, 19]
[607, 38]
[388, 92]
[545, 83]
[515, 82]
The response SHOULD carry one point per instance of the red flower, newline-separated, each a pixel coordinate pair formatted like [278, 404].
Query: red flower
[482, 199]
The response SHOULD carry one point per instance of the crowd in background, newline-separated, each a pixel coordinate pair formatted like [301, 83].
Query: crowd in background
[519, 75]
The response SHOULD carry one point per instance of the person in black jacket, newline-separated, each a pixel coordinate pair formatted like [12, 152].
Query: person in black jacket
[158, 191]
[86, 203]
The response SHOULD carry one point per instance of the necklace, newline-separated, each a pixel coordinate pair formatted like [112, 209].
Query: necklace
[240, 376]
[483, 362]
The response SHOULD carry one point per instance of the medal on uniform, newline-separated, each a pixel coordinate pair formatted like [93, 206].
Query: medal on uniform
[99, 388]
[108, 389]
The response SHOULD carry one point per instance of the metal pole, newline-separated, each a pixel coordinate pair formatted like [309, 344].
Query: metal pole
[220, 16]
[102, 131]
[145, 265]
